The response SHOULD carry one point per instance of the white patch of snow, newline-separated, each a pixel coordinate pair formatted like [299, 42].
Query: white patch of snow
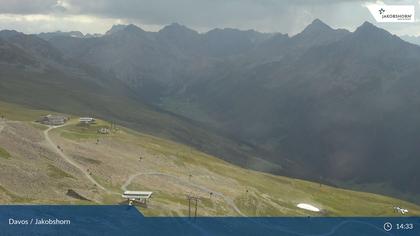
[308, 207]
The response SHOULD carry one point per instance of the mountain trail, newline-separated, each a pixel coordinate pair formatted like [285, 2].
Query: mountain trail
[1, 126]
[69, 160]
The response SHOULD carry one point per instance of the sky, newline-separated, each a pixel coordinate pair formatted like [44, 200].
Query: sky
[285, 16]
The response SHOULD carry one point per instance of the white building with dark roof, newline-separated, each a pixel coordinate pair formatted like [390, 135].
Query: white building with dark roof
[87, 120]
[53, 119]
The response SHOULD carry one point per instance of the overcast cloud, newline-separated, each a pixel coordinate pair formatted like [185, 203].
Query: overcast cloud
[286, 16]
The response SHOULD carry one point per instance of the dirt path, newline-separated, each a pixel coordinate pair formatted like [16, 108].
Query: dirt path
[228, 200]
[54, 147]
[1, 126]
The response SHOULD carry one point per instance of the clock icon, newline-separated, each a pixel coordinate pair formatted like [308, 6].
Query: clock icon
[387, 226]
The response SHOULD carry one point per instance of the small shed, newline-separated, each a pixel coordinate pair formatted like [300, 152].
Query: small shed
[87, 120]
[140, 196]
[53, 119]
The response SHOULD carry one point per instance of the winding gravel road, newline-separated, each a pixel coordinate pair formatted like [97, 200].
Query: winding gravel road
[2, 123]
[68, 159]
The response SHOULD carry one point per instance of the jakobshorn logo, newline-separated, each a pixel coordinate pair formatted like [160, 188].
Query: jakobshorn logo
[381, 11]
[392, 13]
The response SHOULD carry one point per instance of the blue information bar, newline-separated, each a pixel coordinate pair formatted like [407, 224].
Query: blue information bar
[126, 220]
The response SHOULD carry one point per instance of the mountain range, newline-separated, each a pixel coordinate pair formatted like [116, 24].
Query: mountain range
[411, 39]
[36, 74]
[326, 104]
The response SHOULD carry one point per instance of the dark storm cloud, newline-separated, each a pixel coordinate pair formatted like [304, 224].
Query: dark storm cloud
[274, 14]
[26, 6]
[288, 16]
[266, 15]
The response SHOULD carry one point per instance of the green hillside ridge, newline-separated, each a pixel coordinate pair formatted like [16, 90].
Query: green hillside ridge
[170, 169]
[4, 153]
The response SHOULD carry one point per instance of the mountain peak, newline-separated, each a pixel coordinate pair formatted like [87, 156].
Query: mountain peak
[368, 28]
[177, 28]
[115, 29]
[316, 26]
[318, 22]
[9, 33]
[318, 33]
[367, 25]
[175, 25]
[49, 35]
[131, 28]
[123, 28]
[316, 29]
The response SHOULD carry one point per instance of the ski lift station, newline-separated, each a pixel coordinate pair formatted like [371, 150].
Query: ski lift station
[53, 119]
[140, 196]
[87, 120]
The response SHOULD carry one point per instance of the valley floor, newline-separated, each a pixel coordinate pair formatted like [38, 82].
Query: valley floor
[73, 164]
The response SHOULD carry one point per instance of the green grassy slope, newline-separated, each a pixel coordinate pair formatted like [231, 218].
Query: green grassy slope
[254, 193]
[171, 170]
[4, 153]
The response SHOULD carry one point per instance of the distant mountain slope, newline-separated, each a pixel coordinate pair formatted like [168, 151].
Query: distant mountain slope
[157, 63]
[345, 109]
[326, 104]
[49, 35]
[318, 33]
[34, 73]
[411, 39]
